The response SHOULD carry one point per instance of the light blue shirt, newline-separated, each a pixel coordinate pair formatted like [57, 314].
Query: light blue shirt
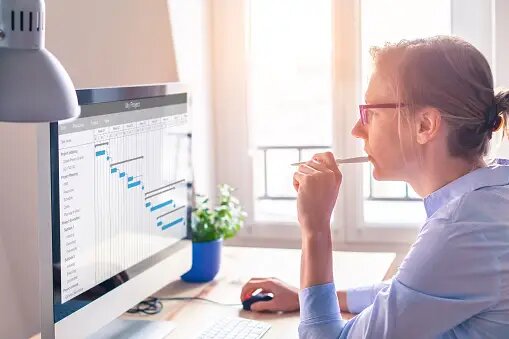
[453, 283]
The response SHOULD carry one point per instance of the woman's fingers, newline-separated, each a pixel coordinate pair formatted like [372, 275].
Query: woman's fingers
[317, 185]
[298, 178]
[271, 305]
[306, 169]
[316, 165]
[253, 285]
[328, 160]
[295, 184]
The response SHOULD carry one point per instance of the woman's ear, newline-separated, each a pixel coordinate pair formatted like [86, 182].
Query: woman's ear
[428, 121]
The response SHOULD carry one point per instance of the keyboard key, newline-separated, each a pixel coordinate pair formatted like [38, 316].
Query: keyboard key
[235, 328]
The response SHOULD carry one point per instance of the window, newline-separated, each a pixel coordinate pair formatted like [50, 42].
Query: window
[288, 78]
[389, 203]
[289, 96]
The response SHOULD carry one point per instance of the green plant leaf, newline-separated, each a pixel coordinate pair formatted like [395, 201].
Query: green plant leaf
[223, 221]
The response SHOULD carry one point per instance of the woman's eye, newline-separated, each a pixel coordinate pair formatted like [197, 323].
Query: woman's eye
[371, 113]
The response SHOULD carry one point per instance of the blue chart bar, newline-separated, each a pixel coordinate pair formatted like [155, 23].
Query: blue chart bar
[134, 184]
[159, 223]
[173, 223]
[161, 205]
[99, 153]
[147, 204]
[130, 179]
[122, 174]
[114, 170]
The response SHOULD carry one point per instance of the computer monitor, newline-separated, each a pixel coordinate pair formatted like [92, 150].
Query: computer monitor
[121, 186]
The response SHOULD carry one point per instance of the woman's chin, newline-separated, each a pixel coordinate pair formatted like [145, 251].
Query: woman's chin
[376, 174]
[379, 174]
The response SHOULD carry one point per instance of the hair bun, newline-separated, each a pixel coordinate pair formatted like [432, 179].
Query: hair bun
[499, 122]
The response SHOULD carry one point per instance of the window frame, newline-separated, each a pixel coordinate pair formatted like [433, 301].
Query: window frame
[348, 36]
[347, 32]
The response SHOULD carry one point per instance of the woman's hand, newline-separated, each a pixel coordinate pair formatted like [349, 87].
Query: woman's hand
[317, 184]
[286, 297]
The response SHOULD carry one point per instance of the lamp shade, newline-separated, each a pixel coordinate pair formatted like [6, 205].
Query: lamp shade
[34, 87]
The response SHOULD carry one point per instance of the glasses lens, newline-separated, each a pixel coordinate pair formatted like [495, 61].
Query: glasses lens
[362, 111]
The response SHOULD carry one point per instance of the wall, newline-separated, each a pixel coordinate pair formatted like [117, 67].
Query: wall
[500, 12]
[191, 29]
[101, 43]
[489, 35]
[229, 88]
[19, 269]
[111, 43]
[12, 320]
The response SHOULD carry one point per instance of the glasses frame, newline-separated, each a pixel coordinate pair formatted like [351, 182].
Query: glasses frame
[364, 108]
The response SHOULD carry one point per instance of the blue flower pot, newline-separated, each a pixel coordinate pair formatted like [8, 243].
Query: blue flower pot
[206, 261]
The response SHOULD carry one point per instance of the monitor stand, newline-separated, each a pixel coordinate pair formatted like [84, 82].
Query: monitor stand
[134, 329]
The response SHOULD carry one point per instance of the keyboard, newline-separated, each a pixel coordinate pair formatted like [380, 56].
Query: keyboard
[235, 328]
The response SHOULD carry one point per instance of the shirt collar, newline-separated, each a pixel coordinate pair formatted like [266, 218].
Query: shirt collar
[496, 174]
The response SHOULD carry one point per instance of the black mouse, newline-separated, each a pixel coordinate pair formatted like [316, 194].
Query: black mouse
[246, 304]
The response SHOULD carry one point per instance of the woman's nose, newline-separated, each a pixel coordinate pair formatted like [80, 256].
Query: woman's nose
[359, 131]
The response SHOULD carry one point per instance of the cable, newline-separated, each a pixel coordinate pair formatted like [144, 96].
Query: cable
[153, 305]
[148, 306]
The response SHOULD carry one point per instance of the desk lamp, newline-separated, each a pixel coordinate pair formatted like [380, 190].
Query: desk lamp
[34, 86]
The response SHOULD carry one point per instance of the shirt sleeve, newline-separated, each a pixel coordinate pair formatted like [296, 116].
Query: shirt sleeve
[359, 298]
[320, 315]
[446, 278]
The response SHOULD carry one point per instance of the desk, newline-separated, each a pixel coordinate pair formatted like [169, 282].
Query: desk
[241, 263]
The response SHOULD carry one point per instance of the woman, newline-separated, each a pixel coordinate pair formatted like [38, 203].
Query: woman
[431, 111]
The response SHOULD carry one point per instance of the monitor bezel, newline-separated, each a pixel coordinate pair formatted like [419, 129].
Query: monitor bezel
[97, 95]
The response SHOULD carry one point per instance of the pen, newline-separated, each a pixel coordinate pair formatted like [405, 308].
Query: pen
[355, 160]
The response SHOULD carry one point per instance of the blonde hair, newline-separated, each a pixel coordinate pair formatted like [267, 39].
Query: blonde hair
[451, 75]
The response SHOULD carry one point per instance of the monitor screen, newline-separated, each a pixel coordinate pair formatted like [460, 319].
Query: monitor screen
[121, 180]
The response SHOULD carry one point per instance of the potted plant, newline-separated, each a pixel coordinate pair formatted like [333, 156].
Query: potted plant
[209, 228]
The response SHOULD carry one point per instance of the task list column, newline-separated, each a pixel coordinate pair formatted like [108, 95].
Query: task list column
[77, 247]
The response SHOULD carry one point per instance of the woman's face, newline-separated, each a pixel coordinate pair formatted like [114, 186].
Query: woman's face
[387, 140]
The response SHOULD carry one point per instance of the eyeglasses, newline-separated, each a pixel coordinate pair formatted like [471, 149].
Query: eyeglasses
[363, 110]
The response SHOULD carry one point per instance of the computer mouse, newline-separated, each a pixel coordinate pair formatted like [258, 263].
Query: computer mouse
[246, 304]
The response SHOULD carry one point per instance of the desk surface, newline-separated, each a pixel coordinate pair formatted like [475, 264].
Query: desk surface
[239, 265]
